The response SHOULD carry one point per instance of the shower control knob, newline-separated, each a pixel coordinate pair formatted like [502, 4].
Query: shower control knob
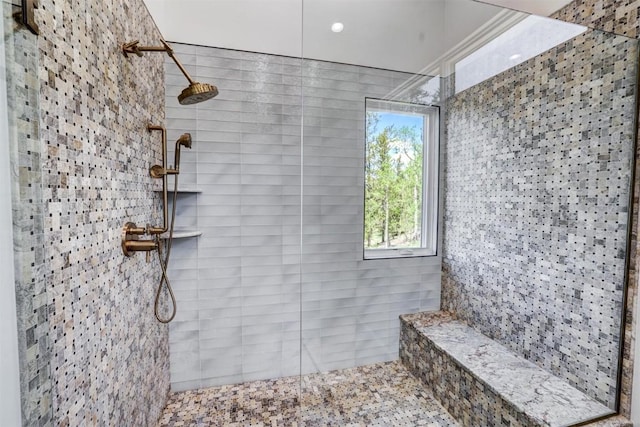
[131, 243]
[157, 171]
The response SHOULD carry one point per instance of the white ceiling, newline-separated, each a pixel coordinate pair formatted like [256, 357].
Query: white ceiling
[404, 35]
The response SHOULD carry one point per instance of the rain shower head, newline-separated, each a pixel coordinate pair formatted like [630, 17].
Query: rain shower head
[195, 92]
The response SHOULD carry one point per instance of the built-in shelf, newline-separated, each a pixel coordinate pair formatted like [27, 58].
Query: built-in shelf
[182, 234]
[182, 189]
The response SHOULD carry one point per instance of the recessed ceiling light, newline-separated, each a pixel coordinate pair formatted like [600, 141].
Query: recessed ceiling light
[337, 27]
[515, 56]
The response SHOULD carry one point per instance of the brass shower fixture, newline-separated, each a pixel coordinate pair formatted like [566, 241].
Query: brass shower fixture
[131, 232]
[131, 242]
[196, 92]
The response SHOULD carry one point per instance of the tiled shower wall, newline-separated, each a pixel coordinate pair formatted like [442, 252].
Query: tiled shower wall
[620, 17]
[350, 307]
[92, 350]
[242, 284]
[537, 180]
[21, 51]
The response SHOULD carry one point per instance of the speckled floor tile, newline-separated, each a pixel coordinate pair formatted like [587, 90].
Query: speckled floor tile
[384, 394]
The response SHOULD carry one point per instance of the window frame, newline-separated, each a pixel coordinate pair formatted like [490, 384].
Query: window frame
[430, 178]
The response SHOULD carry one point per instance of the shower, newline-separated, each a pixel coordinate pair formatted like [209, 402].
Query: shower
[196, 92]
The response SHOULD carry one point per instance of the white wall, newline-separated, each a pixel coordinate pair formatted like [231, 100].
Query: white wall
[272, 26]
[461, 17]
[402, 35]
[377, 33]
[9, 371]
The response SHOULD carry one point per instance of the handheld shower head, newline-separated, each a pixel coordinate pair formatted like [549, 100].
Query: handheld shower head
[184, 140]
[197, 92]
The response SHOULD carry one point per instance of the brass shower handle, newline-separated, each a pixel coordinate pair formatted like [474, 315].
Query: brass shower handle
[157, 171]
[130, 240]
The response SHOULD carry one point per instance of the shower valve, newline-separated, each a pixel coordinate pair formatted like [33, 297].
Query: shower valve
[131, 242]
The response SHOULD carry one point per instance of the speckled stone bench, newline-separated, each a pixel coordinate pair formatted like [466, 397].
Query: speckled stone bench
[482, 383]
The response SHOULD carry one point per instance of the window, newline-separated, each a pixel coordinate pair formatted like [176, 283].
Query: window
[526, 39]
[401, 179]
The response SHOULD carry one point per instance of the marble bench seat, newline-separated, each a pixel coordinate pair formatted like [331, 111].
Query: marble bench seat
[482, 383]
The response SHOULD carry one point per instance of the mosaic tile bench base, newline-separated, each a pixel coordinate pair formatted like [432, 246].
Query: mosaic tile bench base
[482, 383]
[384, 394]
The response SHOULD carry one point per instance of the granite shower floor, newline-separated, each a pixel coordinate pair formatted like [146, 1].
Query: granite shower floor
[384, 394]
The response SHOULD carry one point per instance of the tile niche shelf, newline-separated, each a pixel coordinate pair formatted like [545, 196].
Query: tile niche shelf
[180, 232]
[182, 189]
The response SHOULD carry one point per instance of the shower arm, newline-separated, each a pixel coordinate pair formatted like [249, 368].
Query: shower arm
[194, 93]
[133, 48]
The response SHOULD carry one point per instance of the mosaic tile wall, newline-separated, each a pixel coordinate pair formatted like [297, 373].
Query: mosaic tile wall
[536, 207]
[615, 16]
[620, 17]
[88, 310]
[21, 50]
[238, 285]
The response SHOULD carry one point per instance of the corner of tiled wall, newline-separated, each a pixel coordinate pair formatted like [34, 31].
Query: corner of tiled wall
[92, 350]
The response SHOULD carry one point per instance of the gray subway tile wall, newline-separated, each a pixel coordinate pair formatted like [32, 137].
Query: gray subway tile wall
[262, 186]
[350, 307]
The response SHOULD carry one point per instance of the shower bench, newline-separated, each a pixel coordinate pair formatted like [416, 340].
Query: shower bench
[482, 383]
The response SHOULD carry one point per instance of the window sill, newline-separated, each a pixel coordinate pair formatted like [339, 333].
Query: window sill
[398, 253]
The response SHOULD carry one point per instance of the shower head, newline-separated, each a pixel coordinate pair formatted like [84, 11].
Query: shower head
[184, 140]
[196, 92]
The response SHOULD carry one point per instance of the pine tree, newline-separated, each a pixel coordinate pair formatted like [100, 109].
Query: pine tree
[393, 185]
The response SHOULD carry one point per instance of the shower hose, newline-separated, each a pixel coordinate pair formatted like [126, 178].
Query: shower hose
[164, 263]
